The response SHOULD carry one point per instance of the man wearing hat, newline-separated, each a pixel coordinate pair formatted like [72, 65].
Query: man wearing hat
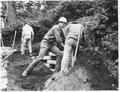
[49, 42]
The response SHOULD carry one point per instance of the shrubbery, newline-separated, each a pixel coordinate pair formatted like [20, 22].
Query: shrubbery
[8, 32]
[100, 18]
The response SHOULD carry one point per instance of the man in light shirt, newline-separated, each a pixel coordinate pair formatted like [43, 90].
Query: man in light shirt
[27, 37]
[72, 32]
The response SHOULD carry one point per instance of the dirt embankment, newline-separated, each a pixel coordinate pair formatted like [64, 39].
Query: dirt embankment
[83, 77]
[89, 73]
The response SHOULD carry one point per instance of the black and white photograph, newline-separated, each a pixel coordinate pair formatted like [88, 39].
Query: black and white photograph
[59, 45]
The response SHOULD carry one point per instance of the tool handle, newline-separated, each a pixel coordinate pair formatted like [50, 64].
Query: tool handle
[74, 59]
[14, 41]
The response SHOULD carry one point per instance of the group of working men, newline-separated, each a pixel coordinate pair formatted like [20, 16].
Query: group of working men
[72, 33]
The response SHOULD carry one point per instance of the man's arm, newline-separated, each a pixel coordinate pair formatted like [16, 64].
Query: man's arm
[59, 40]
[66, 30]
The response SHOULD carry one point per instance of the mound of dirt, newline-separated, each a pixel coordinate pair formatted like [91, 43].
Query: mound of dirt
[76, 80]
[90, 73]
[37, 77]
[82, 78]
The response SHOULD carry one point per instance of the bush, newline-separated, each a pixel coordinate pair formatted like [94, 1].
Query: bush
[93, 25]
[8, 32]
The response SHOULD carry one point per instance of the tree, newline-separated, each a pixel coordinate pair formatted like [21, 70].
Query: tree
[10, 12]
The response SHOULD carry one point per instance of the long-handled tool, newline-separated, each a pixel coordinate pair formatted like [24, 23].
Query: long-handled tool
[14, 40]
[76, 50]
[12, 51]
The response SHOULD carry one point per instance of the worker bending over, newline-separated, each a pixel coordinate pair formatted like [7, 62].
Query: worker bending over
[72, 32]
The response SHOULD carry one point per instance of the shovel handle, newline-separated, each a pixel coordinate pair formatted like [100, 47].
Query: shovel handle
[14, 40]
[74, 59]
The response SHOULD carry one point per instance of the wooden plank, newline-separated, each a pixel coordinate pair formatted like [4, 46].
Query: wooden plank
[48, 65]
[49, 57]
[6, 48]
[51, 54]
[44, 61]
[51, 62]
[9, 54]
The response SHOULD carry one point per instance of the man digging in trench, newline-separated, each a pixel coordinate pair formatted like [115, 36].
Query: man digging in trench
[49, 43]
[74, 38]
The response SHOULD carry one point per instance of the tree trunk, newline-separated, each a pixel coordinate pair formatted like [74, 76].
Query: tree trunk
[10, 13]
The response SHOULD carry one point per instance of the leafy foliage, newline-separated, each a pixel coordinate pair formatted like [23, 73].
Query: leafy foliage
[100, 18]
[8, 32]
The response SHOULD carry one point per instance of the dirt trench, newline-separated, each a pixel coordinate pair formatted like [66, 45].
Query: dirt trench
[84, 76]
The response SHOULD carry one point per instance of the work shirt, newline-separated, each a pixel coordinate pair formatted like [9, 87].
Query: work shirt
[53, 36]
[73, 30]
[27, 31]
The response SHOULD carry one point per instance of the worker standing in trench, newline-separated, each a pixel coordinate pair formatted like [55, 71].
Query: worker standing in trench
[49, 43]
[27, 37]
[74, 35]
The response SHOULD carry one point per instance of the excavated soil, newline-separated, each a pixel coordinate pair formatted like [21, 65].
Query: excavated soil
[35, 79]
[84, 76]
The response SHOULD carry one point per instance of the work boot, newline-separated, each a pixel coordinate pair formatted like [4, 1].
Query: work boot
[24, 74]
